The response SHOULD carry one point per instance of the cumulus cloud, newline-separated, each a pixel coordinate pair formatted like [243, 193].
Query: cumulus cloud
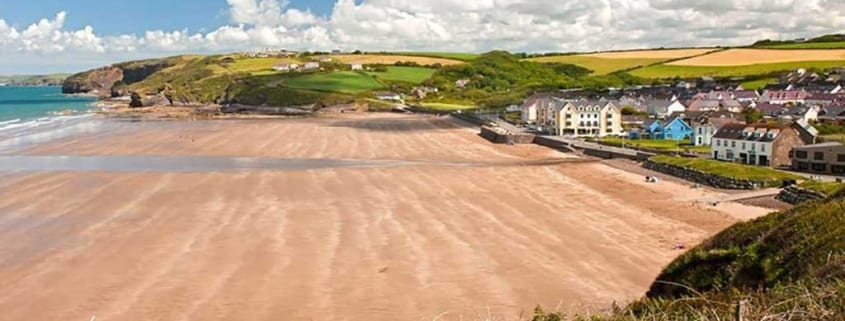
[469, 25]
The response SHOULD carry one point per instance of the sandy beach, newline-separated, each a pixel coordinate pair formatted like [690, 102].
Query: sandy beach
[449, 226]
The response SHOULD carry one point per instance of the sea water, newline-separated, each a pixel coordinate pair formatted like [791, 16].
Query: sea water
[27, 107]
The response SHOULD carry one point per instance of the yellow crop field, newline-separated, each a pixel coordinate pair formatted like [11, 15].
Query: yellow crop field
[741, 57]
[651, 54]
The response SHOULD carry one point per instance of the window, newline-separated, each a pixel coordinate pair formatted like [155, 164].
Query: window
[819, 167]
[733, 144]
[729, 155]
[818, 155]
[802, 166]
[763, 147]
[840, 158]
[743, 145]
[718, 143]
[837, 169]
[801, 154]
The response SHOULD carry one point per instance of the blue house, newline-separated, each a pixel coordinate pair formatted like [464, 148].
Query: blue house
[676, 128]
[651, 129]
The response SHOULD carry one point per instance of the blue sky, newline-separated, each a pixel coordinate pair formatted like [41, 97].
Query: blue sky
[43, 36]
[125, 16]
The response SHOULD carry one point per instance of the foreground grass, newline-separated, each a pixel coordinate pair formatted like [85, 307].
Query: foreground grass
[599, 66]
[342, 81]
[793, 302]
[414, 75]
[657, 144]
[826, 188]
[731, 170]
[665, 71]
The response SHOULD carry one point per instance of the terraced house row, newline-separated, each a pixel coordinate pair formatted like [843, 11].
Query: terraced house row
[575, 117]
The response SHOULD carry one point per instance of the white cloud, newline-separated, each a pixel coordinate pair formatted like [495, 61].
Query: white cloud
[470, 25]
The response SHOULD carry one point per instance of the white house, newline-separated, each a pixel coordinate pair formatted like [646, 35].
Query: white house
[705, 128]
[663, 108]
[356, 66]
[583, 118]
[283, 67]
[311, 66]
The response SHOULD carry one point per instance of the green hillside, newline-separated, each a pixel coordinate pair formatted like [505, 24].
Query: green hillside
[788, 265]
[34, 80]
[600, 66]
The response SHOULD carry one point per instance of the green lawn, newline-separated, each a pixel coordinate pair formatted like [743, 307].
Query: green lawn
[600, 66]
[826, 188]
[446, 107]
[657, 144]
[463, 56]
[835, 138]
[758, 84]
[808, 45]
[732, 170]
[349, 82]
[671, 71]
[415, 75]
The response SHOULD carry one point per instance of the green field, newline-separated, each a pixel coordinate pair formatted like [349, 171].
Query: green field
[446, 107]
[462, 56]
[413, 75]
[834, 138]
[731, 170]
[758, 84]
[808, 45]
[600, 66]
[657, 144]
[671, 71]
[255, 66]
[342, 81]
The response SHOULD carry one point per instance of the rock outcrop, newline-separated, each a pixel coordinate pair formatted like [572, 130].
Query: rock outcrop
[98, 81]
[796, 195]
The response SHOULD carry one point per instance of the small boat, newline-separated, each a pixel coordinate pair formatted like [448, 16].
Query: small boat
[3, 84]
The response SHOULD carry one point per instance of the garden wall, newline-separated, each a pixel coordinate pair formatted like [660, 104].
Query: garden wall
[796, 195]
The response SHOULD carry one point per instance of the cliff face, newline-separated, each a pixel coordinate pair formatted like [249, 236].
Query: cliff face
[111, 81]
[97, 81]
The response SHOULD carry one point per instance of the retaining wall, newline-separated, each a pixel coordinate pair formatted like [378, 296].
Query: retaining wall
[796, 195]
[500, 136]
[703, 178]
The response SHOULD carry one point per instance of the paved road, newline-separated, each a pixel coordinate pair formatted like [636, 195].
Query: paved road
[583, 144]
[741, 196]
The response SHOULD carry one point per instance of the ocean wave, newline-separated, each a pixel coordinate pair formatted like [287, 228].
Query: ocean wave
[19, 126]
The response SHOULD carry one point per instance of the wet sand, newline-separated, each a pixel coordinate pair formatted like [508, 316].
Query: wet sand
[505, 231]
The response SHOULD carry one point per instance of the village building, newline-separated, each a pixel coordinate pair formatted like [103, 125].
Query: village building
[584, 118]
[757, 144]
[706, 126]
[784, 96]
[311, 65]
[824, 158]
[663, 108]
[356, 66]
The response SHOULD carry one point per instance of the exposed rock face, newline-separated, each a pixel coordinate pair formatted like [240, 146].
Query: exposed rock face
[138, 101]
[97, 81]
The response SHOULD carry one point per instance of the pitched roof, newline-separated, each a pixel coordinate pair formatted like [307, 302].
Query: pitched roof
[754, 132]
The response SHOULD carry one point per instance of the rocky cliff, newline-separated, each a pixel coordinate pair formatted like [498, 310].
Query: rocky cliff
[97, 81]
[112, 80]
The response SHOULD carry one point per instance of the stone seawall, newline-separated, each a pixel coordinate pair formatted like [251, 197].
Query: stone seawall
[501, 136]
[703, 178]
[796, 195]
